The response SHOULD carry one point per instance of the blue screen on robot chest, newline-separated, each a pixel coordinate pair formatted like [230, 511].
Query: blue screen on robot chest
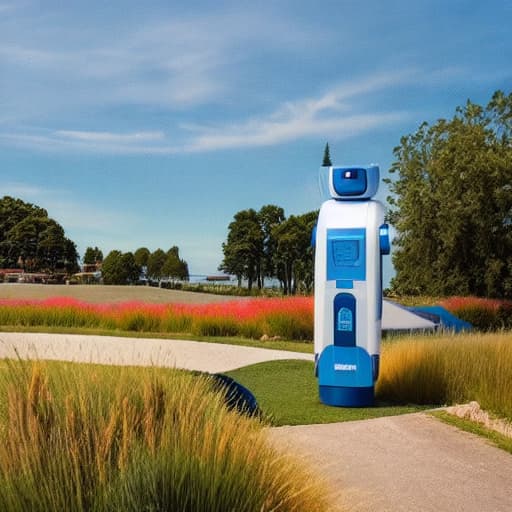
[346, 250]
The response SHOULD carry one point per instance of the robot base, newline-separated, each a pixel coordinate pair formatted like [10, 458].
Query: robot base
[347, 396]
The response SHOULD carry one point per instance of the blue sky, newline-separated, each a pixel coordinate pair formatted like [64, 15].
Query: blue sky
[153, 123]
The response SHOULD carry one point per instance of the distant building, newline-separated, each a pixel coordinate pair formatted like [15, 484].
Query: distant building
[10, 275]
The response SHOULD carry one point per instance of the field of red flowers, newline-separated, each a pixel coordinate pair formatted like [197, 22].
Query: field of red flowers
[289, 318]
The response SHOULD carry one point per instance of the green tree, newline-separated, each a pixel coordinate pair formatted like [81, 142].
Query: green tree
[141, 256]
[293, 257]
[243, 250]
[452, 204]
[156, 261]
[112, 269]
[326, 162]
[119, 268]
[32, 240]
[270, 216]
[130, 268]
[92, 256]
[174, 267]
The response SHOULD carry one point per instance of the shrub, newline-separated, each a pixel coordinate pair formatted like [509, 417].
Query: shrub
[88, 438]
[447, 370]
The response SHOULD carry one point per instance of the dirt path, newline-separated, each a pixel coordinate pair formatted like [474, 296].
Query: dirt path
[405, 463]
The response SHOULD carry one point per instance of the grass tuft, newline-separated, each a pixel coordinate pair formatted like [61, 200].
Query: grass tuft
[449, 369]
[91, 438]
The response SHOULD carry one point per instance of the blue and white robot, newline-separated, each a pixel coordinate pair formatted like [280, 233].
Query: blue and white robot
[350, 239]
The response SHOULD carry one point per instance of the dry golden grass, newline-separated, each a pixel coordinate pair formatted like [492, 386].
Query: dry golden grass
[84, 438]
[449, 369]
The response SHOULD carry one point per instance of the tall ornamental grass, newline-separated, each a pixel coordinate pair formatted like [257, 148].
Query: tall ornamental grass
[90, 438]
[449, 369]
[288, 318]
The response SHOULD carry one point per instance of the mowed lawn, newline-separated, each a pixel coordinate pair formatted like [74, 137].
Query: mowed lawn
[108, 294]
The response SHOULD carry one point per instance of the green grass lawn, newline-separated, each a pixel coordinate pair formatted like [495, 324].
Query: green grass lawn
[287, 393]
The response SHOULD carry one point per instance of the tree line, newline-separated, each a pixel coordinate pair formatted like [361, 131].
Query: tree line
[34, 242]
[265, 244]
[129, 267]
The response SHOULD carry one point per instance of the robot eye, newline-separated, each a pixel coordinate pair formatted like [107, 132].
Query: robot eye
[350, 175]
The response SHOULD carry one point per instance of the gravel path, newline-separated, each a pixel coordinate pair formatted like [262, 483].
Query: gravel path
[190, 355]
[405, 463]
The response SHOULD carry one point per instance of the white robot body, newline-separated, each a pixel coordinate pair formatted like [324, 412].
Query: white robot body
[350, 239]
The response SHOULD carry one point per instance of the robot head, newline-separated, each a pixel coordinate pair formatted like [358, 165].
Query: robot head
[353, 182]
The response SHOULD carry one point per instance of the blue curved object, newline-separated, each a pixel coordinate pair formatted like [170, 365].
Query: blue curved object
[236, 396]
[441, 316]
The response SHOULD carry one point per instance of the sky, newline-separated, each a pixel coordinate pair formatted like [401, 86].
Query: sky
[152, 123]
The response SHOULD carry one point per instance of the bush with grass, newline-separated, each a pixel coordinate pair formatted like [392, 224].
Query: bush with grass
[448, 370]
[91, 438]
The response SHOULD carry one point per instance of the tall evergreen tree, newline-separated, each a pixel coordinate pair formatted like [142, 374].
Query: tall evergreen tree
[326, 162]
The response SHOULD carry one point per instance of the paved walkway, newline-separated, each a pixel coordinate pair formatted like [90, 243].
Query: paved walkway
[405, 463]
[190, 355]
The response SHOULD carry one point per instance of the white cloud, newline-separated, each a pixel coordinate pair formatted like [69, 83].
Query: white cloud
[109, 137]
[338, 113]
[329, 114]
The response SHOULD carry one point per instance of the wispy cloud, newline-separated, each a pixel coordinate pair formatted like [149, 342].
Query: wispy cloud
[330, 114]
[339, 112]
[109, 137]
[175, 62]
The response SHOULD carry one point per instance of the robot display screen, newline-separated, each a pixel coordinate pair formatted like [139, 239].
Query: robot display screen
[345, 252]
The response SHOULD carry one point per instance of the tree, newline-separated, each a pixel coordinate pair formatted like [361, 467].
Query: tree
[452, 204]
[119, 268]
[155, 264]
[174, 267]
[270, 216]
[92, 256]
[243, 250]
[130, 268]
[293, 257]
[326, 162]
[32, 240]
[141, 256]
[112, 269]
